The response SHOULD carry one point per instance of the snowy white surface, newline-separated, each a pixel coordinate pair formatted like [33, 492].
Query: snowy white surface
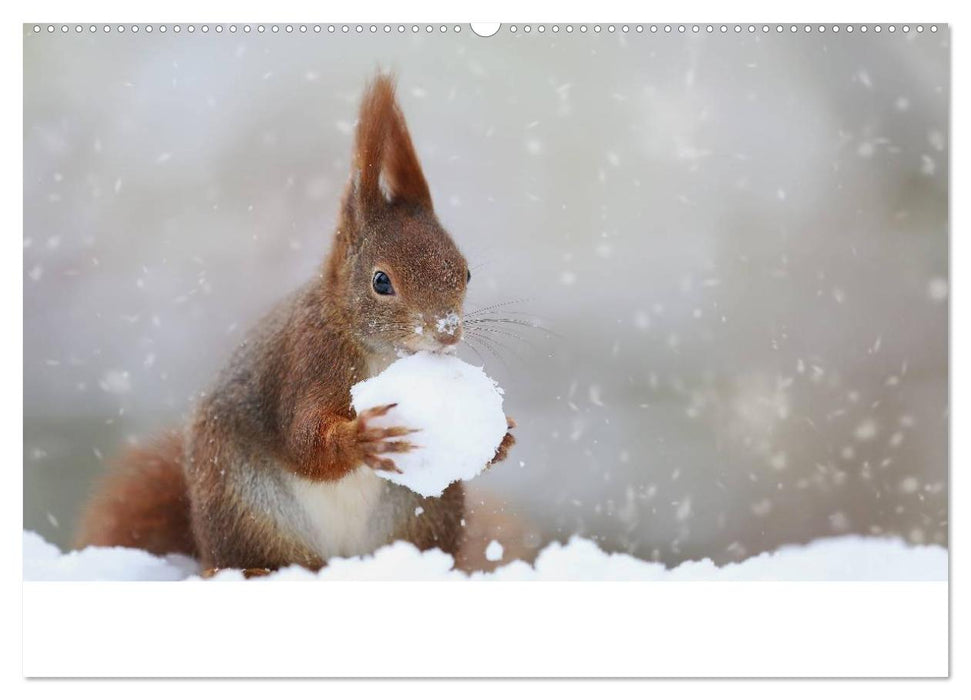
[456, 407]
[45, 562]
[847, 558]
[493, 551]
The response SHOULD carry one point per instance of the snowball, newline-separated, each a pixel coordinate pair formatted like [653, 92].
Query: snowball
[493, 551]
[456, 407]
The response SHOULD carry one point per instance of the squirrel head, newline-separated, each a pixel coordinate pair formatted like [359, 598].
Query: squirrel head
[394, 271]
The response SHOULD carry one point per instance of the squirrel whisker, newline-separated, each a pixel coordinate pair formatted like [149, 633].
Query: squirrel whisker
[534, 324]
[483, 342]
[495, 345]
[498, 331]
[468, 342]
[484, 309]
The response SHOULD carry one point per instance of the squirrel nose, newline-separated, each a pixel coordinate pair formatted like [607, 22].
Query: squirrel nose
[448, 329]
[449, 339]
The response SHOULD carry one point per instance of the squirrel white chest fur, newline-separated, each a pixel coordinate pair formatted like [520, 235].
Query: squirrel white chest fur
[347, 517]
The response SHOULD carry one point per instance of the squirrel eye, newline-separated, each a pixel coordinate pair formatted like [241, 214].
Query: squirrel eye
[468, 276]
[382, 283]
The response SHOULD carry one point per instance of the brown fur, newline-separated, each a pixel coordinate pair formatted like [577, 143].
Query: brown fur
[142, 502]
[488, 518]
[279, 413]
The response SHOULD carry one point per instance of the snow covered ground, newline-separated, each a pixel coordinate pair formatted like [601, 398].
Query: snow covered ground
[844, 558]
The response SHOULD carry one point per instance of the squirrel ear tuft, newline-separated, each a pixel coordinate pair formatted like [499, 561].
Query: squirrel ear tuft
[383, 152]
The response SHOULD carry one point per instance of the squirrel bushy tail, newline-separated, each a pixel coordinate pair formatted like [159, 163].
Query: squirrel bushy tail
[142, 502]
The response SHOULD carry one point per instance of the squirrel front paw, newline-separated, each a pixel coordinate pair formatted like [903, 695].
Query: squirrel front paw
[508, 440]
[373, 442]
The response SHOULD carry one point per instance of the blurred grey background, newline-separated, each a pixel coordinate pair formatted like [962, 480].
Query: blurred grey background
[739, 244]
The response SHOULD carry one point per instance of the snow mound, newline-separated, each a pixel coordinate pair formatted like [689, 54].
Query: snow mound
[400, 561]
[848, 558]
[456, 407]
[44, 562]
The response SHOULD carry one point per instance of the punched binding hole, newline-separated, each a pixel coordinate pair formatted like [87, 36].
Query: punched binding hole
[485, 29]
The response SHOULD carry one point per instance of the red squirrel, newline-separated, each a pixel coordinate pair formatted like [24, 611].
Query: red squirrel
[274, 468]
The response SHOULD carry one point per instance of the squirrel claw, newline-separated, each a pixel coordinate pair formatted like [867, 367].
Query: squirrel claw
[508, 440]
[376, 411]
[372, 442]
[382, 464]
[394, 446]
[375, 434]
